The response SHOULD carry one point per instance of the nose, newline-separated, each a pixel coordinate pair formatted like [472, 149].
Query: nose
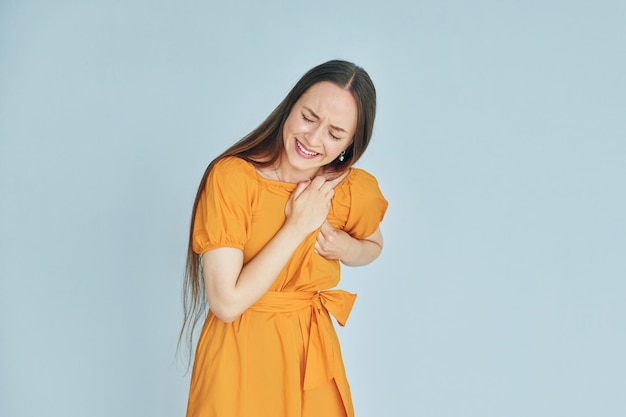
[313, 136]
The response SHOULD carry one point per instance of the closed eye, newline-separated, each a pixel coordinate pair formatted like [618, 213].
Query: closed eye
[334, 137]
[306, 118]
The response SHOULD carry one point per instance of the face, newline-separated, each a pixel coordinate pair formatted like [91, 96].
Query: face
[319, 127]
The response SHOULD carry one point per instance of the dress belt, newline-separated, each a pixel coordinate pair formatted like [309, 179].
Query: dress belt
[322, 359]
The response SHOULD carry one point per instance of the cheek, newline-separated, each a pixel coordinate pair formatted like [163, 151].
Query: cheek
[292, 125]
[335, 148]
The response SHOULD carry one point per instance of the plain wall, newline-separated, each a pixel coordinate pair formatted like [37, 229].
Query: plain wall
[500, 144]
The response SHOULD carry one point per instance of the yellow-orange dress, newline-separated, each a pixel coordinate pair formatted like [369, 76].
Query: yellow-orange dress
[281, 357]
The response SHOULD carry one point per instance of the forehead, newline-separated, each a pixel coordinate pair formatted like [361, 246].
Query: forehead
[327, 99]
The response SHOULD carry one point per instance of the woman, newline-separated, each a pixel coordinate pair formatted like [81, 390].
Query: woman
[273, 217]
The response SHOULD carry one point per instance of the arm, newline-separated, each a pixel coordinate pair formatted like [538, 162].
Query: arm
[336, 244]
[232, 287]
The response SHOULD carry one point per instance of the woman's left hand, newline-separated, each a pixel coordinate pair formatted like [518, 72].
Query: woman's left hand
[332, 243]
[336, 244]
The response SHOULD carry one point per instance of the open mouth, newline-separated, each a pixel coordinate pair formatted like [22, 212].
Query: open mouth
[304, 152]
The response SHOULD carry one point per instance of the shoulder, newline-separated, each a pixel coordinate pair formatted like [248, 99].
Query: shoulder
[360, 202]
[232, 176]
[233, 172]
[359, 189]
[233, 165]
[361, 181]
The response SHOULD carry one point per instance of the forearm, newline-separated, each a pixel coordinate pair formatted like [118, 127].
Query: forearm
[361, 252]
[229, 301]
[257, 276]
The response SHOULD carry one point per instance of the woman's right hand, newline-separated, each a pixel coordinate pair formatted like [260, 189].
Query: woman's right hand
[309, 204]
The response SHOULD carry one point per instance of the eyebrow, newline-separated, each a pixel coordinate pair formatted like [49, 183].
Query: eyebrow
[317, 117]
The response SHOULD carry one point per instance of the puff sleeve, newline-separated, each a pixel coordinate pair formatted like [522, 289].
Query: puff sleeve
[367, 205]
[224, 212]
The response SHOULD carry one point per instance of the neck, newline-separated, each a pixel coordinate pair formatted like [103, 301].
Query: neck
[294, 177]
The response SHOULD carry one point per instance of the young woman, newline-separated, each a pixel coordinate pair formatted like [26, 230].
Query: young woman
[274, 216]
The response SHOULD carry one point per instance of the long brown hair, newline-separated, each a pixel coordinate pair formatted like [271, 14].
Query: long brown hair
[263, 147]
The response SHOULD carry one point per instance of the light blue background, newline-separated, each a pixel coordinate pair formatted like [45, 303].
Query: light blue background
[500, 143]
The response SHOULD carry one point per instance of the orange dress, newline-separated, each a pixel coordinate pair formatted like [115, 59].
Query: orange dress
[281, 357]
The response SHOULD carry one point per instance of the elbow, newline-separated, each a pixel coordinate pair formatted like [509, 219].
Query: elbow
[225, 310]
[370, 251]
[226, 318]
[225, 314]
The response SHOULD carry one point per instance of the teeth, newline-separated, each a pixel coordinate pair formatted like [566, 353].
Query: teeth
[304, 151]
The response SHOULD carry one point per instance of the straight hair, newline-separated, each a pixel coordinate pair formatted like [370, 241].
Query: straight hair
[262, 147]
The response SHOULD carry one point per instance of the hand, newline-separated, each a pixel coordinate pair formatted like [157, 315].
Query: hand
[309, 204]
[332, 243]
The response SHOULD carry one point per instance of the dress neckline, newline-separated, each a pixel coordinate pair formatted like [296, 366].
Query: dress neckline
[283, 184]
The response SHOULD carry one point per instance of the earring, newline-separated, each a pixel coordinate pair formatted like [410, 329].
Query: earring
[341, 156]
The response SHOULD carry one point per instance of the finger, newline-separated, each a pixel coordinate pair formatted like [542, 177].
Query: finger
[327, 228]
[333, 183]
[318, 182]
[328, 234]
[336, 180]
[327, 191]
[321, 237]
[300, 188]
[328, 187]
